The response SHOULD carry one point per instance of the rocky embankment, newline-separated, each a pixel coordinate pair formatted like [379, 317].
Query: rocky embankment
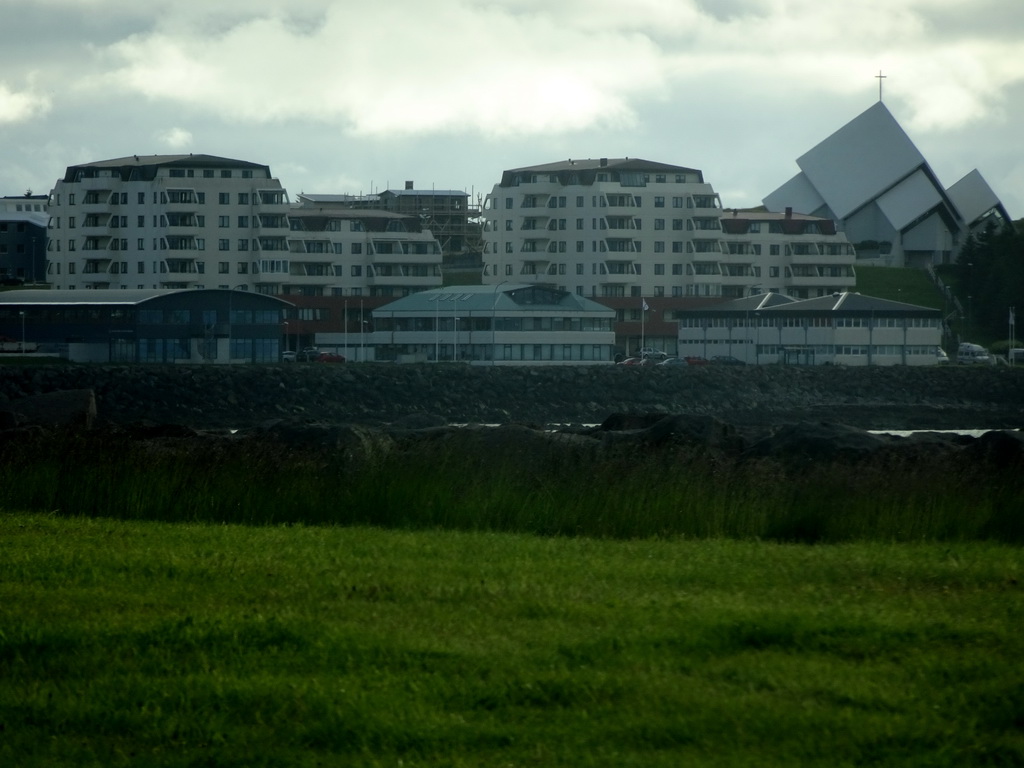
[205, 398]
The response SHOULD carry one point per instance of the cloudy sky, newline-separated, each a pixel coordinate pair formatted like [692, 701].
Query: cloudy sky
[348, 96]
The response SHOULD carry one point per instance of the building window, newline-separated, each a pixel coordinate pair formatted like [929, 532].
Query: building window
[223, 267]
[223, 244]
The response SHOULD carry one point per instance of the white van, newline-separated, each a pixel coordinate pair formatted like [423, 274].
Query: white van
[973, 354]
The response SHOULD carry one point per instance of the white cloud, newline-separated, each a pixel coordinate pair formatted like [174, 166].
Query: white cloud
[175, 138]
[527, 67]
[16, 107]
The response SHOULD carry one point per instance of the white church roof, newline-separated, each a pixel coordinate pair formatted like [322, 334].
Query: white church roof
[862, 159]
[972, 196]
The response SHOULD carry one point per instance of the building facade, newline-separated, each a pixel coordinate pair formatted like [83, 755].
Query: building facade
[340, 250]
[146, 326]
[610, 228]
[168, 221]
[22, 238]
[844, 329]
[507, 324]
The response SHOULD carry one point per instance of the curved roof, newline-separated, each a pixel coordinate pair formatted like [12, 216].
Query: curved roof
[108, 297]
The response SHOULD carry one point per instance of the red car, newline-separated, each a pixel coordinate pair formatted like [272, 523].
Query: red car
[694, 360]
[330, 357]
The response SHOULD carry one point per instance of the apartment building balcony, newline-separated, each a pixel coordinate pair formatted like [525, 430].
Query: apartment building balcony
[620, 201]
[97, 221]
[97, 193]
[96, 242]
[407, 275]
[185, 196]
[274, 244]
[97, 265]
[180, 219]
[269, 198]
[538, 223]
[272, 221]
[325, 247]
[320, 271]
[620, 222]
[181, 270]
[613, 272]
[419, 252]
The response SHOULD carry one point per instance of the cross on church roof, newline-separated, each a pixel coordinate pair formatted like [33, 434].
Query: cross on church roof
[880, 77]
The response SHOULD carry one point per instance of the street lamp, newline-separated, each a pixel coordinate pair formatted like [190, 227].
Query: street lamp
[22, 313]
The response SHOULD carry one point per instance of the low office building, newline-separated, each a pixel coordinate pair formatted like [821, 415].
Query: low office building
[844, 329]
[145, 326]
[504, 324]
[22, 239]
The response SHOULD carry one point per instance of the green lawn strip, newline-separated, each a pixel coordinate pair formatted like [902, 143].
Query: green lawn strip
[138, 643]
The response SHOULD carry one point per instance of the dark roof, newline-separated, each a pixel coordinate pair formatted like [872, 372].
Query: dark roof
[586, 170]
[108, 296]
[846, 303]
[145, 166]
[737, 222]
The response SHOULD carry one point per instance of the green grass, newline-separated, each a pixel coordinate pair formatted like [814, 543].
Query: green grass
[467, 482]
[144, 643]
[911, 286]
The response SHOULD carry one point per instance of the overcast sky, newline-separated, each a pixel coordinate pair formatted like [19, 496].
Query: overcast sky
[349, 96]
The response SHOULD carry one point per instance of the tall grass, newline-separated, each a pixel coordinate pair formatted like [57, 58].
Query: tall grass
[460, 488]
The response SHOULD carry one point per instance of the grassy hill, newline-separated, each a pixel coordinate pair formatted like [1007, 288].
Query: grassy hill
[912, 286]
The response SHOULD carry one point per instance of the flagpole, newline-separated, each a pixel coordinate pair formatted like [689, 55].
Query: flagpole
[643, 319]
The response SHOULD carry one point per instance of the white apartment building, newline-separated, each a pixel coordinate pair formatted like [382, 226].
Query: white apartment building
[198, 221]
[340, 250]
[628, 227]
[792, 254]
[168, 221]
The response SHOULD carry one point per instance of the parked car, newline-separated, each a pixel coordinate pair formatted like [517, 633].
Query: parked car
[288, 356]
[726, 360]
[696, 360]
[973, 354]
[940, 356]
[308, 355]
[631, 361]
[673, 361]
[651, 352]
[330, 357]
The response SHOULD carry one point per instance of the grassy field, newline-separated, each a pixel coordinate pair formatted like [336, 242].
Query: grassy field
[911, 286]
[157, 644]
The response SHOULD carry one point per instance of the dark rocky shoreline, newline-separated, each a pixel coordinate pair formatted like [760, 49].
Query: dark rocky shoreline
[238, 397]
[791, 416]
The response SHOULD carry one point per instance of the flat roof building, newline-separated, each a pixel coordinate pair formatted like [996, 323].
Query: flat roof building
[145, 326]
[842, 329]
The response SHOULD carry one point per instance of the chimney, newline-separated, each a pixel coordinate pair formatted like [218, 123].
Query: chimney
[604, 162]
[789, 212]
[408, 185]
